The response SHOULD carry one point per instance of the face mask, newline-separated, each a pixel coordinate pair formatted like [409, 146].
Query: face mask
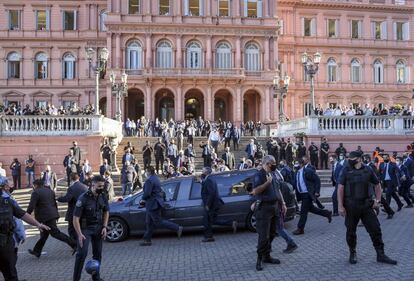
[352, 162]
[296, 165]
[386, 160]
[273, 167]
[99, 190]
[341, 157]
[398, 163]
[366, 161]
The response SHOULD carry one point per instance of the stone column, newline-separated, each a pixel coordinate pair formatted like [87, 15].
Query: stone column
[238, 105]
[208, 53]
[179, 52]
[149, 102]
[109, 102]
[266, 54]
[275, 53]
[118, 50]
[179, 114]
[208, 104]
[236, 7]
[265, 8]
[267, 104]
[238, 52]
[148, 54]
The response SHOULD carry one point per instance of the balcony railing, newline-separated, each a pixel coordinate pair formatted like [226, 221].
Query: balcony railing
[59, 126]
[188, 72]
[350, 125]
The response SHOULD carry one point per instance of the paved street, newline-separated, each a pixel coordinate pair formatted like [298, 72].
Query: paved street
[322, 255]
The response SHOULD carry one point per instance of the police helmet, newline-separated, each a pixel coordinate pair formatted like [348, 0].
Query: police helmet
[92, 267]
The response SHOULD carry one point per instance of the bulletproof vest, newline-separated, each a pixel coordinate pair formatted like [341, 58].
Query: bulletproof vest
[7, 224]
[357, 185]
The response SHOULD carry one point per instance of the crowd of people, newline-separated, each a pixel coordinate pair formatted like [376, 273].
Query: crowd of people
[49, 109]
[365, 110]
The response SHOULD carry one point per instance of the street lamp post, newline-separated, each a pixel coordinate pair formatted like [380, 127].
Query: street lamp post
[280, 88]
[119, 90]
[99, 67]
[311, 66]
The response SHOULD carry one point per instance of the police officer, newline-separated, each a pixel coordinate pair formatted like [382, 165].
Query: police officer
[266, 208]
[9, 209]
[355, 203]
[90, 219]
[212, 204]
[153, 200]
[324, 154]
[313, 154]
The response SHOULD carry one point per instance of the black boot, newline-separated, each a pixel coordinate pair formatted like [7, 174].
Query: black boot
[352, 256]
[259, 266]
[383, 258]
[271, 260]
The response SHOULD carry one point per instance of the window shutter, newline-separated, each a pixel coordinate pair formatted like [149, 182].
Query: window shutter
[313, 27]
[381, 73]
[63, 16]
[75, 20]
[36, 17]
[359, 29]
[201, 6]
[406, 31]
[63, 69]
[327, 27]
[186, 7]
[373, 29]
[394, 27]
[337, 28]
[259, 8]
[245, 8]
[47, 20]
[302, 20]
[407, 75]
[384, 30]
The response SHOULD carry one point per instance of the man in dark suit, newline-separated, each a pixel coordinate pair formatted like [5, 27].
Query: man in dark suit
[236, 138]
[313, 154]
[49, 178]
[406, 182]
[336, 171]
[147, 151]
[409, 163]
[324, 152]
[105, 167]
[308, 186]
[228, 158]
[15, 168]
[70, 165]
[159, 153]
[43, 203]
[153, 200]
[212, 204]
[72, 194]
[390, 177]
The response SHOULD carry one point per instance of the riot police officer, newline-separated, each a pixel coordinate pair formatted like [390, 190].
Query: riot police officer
[355, 203]
[267, 196]
[9, 209]
[90, 219]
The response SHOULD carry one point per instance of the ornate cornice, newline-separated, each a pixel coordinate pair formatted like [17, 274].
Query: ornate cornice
[344, 5]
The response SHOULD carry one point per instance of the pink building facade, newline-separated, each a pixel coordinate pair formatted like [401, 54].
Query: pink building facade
[210, 58]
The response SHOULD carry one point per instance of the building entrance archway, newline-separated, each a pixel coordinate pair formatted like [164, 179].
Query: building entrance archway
[134, 104]
[223, 106]
[164, 105]
[251, 106]
[102, 105]
[193, 104]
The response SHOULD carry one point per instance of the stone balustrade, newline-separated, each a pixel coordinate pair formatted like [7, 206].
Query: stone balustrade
[349, 125]
[59, 126]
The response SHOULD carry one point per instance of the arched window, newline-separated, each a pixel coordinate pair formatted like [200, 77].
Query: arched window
[252, 57]
[164, 55]
[223, 56]
[332, 70]
[134, 55]
[402, 72]
[355, 71]
[41, 66]
[69, 62]
[378, 72]
[194, 55]
[102, 19]
[13, 65]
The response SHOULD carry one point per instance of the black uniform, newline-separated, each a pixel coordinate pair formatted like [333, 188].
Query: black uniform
[358, 205]
[90, 209]
[159, 151]
[8, 255]
[266, 215]
[324, 155]
[313, 155]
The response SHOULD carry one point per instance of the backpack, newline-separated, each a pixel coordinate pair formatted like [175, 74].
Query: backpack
[7, 224]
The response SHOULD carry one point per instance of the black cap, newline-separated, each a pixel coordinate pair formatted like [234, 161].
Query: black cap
[355, 154]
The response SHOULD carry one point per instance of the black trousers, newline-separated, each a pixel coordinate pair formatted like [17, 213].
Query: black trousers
[227, 142]
[324, 161]
[8, 259]
[210, 218]
[159, 161]
[354, 213]
[17, 183]
[390, 191]
[55, 233]
[308, 207]
[335, 200]
[235, 144]
[82, 252]
[266, 219]
[147, 162]
[404, 191]
[68, 172]
[386, 206]
[314, 160]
